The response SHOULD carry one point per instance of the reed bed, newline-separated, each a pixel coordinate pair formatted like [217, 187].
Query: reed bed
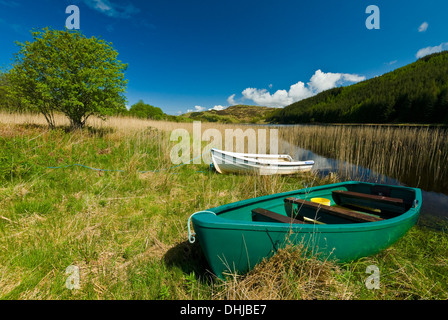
[416, 156]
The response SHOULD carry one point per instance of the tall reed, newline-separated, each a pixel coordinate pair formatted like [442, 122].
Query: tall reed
[416, 156]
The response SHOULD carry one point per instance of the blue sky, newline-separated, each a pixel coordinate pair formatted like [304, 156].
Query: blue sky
[197, 55]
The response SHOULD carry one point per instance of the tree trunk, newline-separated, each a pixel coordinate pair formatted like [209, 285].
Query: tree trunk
[76, 124]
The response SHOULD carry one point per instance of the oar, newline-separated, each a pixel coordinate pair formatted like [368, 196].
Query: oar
[312, 220]
[295, 213]
[306, 219]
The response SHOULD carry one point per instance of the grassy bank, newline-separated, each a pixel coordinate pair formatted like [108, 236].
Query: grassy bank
[126, 231]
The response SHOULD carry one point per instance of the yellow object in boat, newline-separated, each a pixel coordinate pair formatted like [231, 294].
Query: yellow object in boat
[323, 201]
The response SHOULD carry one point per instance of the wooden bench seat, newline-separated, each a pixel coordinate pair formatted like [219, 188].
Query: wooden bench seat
[372, 197]
[334, 211]
[260, 214]
[388, 205]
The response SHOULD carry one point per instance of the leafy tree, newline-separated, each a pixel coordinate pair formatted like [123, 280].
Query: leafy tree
[146, 111]
[4, 89]
[64, 71]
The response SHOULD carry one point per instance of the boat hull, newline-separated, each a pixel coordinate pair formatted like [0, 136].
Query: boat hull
[233, 243]
[227, 162]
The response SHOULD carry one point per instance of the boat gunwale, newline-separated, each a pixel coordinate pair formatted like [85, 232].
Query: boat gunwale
[214, 221]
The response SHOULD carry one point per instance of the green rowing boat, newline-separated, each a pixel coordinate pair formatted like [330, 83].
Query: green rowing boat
[343, 222]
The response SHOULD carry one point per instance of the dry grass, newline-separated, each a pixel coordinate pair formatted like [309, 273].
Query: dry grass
[121, 125]
[288, 275]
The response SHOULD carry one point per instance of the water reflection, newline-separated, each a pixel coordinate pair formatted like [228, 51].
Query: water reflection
[434, 205]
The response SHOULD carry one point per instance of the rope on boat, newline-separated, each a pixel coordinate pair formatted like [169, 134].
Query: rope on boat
[191, 235]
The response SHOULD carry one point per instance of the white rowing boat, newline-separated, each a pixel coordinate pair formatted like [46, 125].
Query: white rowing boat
[263, 164]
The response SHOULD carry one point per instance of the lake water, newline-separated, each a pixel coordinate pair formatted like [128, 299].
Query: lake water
[434, 212]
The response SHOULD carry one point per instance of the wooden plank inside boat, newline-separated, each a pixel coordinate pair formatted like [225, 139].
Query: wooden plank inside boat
[388, 205]
[372, 197]
[260, 214]
[334, 211]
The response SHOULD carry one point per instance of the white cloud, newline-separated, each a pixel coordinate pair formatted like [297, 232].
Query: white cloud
[196, 109]
[263, 97]
[423, 27]
[231, 100]
[428, 50]
[299, 91]
[347, 77]
[218, 108]
[319, 82]
[111, 9]
[199, 108]
[102, 5]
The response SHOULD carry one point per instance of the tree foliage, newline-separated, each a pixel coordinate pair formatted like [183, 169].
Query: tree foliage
[64, 71]
[6, 102]
[416, 93]
[146, 111]
[4, 89]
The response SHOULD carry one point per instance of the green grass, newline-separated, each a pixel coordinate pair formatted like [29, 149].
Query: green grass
[127, 231]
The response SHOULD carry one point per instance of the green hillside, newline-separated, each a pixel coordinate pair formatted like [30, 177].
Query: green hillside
[233, 114]
[416, 93]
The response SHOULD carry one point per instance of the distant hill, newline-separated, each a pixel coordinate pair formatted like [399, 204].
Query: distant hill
[416, 93]
[233, 114]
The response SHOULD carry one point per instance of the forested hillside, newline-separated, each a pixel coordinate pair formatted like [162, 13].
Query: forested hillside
[416, 93]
